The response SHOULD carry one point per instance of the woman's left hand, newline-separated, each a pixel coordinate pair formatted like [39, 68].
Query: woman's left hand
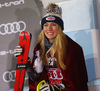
[49, 87]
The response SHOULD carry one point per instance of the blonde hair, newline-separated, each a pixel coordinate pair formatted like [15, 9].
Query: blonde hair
[58, 48]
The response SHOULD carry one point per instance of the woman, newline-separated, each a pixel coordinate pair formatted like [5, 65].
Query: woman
[57, 58]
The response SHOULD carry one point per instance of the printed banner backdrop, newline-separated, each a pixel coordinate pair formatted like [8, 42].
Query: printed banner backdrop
[15, 16]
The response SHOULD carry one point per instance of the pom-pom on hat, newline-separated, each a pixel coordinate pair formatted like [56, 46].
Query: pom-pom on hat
[52, 13]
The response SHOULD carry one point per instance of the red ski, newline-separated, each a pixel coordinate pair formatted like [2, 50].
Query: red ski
[24, 42]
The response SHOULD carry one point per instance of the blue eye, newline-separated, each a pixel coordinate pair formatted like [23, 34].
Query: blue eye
[54, 24]
[45, 25]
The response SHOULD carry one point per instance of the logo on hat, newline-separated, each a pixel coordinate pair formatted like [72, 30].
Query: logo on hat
[50, 18]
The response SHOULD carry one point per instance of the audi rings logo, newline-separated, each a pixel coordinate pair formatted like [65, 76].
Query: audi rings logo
[9, 76]
[14, 27]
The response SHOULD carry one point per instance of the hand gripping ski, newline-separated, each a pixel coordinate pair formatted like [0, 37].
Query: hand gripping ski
[24, 42]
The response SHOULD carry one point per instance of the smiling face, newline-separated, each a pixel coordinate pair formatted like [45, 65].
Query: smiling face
[50, 30]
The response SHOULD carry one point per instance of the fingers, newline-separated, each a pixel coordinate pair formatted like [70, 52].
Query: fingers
[49, 87]
[45, 87]
[17, 51]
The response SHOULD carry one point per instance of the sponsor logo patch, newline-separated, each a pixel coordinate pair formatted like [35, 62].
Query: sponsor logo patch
[50, 18]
